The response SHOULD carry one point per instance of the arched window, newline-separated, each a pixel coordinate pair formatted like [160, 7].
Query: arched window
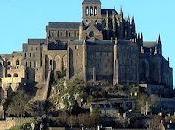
[9, 75]
[87, 10]
[8, 63]
[66, 33]
[30, 64]
[17, 62]
[51, 62]
[15, 75]
[95, 10]
[91, 11]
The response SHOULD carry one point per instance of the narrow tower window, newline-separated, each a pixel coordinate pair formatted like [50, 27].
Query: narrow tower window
[91, 11]
[87, 10]
[95, 10]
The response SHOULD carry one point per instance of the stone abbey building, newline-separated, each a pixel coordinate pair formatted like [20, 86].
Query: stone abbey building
[104, 46]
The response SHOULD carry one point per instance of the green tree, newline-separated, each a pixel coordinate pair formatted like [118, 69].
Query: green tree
[35, 108]
[17, 104]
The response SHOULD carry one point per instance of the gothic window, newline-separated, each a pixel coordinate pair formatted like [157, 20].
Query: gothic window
[30, 64]
[25, 55]
[95, 10]
[50, 62]
[58, 33]
[30, 54]
[69, 34]
[87, 10]
[91, 11]
[26, 64]
[66, 34]
[17, 62]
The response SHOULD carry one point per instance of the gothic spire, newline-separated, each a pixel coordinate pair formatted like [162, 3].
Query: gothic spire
[159, 39]
[121, 12]
[141, 36]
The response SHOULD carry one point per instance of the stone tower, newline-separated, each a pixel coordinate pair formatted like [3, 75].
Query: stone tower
[91, 11]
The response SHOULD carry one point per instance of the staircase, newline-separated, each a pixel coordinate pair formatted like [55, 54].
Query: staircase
[43, 89]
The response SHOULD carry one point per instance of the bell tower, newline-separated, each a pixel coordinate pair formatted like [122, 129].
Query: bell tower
[91, 11]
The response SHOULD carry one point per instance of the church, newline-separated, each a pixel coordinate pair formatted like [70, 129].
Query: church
[104, 46]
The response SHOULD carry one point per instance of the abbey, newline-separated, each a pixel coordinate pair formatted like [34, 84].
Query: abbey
[104, 46]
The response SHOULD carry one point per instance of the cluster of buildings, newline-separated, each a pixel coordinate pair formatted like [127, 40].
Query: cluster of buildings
[103, 46]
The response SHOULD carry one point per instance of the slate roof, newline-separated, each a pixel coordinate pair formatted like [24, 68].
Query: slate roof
[64, 25]
[99, 42]
[149, 44]
[36, 41]
[110, 11]
[92, 1]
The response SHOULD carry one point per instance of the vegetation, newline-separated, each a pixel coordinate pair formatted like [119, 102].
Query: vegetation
[67, 93]
[17, 104]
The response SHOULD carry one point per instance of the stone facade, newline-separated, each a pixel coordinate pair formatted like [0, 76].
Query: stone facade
[103, 46]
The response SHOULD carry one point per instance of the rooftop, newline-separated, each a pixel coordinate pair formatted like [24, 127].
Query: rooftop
[64, 25]
[92, 1]
[149, 44]
[36, 41]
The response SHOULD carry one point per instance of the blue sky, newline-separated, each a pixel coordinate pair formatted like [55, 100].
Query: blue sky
[23, 19]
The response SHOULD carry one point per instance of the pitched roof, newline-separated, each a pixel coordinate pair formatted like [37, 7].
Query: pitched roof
[36, 41]
[110, 11]
[92, 1]
[149, 44]
[64, 25]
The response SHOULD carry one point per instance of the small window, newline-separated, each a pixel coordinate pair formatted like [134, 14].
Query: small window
[30, 54]
[9, 75]
[25, 55]
[15, 75]
[87, 10]
[69, 34]
[66, 34]
[30, 64]
[17, 62]
[95, 11]
[26, 64]
[58, 33]
[91, 11]
[50, 62]
[36, 48]
[8, 63]
[34, 64]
